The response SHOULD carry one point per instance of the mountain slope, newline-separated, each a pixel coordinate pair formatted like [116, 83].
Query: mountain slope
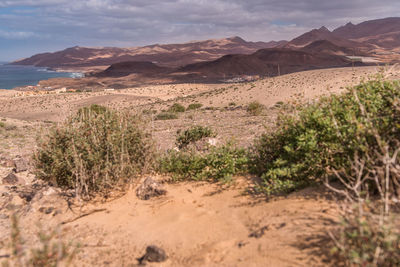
[326, 47]
[368, 28]
[320, 34]
[170, 55]
[264, 62]
[382, 32]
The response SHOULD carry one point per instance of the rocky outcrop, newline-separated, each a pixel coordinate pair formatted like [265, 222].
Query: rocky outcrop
[150, 189]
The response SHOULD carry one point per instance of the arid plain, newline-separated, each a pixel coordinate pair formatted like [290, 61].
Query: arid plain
[198, 224]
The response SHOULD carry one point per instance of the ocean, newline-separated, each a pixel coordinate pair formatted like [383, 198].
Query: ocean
[12, 76]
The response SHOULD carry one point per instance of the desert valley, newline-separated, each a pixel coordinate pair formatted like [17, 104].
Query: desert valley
[238, 94]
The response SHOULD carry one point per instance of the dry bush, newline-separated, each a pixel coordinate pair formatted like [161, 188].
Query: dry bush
[51, 251]
[369, 234]
[255, 108]
[93, 152]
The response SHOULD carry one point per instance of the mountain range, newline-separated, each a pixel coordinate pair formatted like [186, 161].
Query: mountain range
[211, 60]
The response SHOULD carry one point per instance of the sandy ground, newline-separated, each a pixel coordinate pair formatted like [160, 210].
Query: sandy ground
[198, 224]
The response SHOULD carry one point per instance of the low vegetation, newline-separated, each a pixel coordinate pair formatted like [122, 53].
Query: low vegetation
[176, 107]
[193, 134]
[166, 116]
[218, 164]
[255, 108]
[326, 135]
[94, 151]
[194, 106]
[352, 140]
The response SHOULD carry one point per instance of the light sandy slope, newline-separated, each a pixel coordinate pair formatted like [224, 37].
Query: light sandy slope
[291, 88]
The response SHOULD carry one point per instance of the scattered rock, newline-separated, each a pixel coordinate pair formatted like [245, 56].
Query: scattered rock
[153, 254]
[242, 244]
[27, 194]
[149, 189]
[259, 233]
[46, 210]
[13, 179]
[20, 165]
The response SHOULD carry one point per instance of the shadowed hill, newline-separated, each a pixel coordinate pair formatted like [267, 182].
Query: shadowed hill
[326, 47]
[264, 62]
[132, 67]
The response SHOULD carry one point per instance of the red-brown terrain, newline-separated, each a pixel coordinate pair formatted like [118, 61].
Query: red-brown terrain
[264, 62]
[381, 32]
[231, 59]
[171, 55]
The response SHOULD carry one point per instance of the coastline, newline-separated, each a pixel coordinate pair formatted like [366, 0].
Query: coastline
[13, 76]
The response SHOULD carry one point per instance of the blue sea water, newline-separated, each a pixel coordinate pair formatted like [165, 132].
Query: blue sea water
[12, 76]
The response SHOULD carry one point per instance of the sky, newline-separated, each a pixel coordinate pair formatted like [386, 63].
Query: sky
[28, 27]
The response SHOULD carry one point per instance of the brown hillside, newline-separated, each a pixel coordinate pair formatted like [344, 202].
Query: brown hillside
[132, 67]
[326, 47]
[382, 32]
[368, 28]
[321, 34]
[265, 62]
[170, 55]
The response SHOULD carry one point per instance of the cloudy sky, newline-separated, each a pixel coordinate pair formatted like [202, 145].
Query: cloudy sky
[32, 26]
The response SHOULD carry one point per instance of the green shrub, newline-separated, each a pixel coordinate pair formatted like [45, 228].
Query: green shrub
[255, 108]
[94, 151]
[166, 116]
[176, 108]
[219, 164]
[327, 134]
[193, 134]
[194, 106]
[2, 125]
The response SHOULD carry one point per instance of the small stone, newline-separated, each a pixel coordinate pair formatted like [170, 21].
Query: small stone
[150, 188]
[46, 210]
[27, 194]
[153, 254]
[20, 165]
[11, 179]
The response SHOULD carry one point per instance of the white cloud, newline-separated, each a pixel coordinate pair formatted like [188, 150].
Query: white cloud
[16, 35]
